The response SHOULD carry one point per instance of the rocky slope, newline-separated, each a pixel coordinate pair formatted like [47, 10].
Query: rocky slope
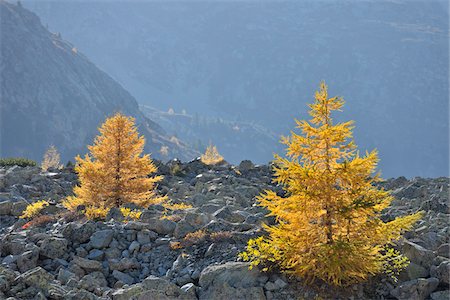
[153, 258]
[52, 94]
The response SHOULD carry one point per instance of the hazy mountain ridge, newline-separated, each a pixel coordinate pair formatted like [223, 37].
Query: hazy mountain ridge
[233, 138]
[52, 94]
[261, 62]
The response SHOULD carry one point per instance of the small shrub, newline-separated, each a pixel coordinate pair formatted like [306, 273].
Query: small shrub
[393, 263]
[51, 159]
[194, 238]
[174, 218]
[175, 170]
[176, 206]
[220, 236]
[175, 140]
[260, 251]
[129, 214]
[17, 161]
[71, 216]
[96, 212]
[72, 203]
[164, 151]
[39, 221]
[175, 245]
[211, 156]
[33, 209]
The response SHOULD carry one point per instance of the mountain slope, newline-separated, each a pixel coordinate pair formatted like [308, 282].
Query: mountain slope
[234, 139]
[52, 94]
[260, 61]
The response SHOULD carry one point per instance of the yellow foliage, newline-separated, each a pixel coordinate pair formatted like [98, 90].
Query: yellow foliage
[393, 263]
[51, 159]
[176, 206]
[115, 173]
[33, 209]
[130, 214]
[329, 224]
[174, 218]
[175, 245]
[211, 156]
[96, 212]
[71, 203]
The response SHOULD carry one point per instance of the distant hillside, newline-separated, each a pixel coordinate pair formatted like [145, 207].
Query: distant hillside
[261, 61]
[52, 94]
[234, 139]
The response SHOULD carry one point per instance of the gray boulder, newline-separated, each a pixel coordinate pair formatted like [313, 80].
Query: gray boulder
[154, 288]
[191, 222]
[159, 288]
[441, 295]
[18, 207]
[444, 250]
[79, 233]
[123, 277]
[53, 247]
[161, 226]
[101, 239]
[418, 254]
[87, 264]
[246, 166]
[226, 213]
[5, 208]
[232, 280]
[415, 289]
[80, 295]
[145, 236]
[225, 291]
[27, 260]
[96, 254]
[124, 264]
[415, 271]
[37, 277]
[64, 275]
[442, 272]
[128, 293]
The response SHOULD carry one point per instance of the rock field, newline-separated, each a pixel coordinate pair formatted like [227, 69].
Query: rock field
[68, 257]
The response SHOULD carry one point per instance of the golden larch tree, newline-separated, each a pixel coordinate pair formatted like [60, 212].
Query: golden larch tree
[51, 159]
[328, 223]
[211, 156]
[115, 172]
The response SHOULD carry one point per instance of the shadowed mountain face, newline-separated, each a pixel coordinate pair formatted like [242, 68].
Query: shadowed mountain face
[261, 62]
[52, 94]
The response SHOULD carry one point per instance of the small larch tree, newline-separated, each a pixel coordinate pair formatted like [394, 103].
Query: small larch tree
[211, 156]
[51, 159]
[115, 173]
[328, 222]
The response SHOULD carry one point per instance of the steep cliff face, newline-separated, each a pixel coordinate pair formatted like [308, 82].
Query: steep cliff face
[52, 94]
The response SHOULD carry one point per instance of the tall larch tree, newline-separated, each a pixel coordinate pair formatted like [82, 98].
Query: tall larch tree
[115, 172]
[328, 223]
